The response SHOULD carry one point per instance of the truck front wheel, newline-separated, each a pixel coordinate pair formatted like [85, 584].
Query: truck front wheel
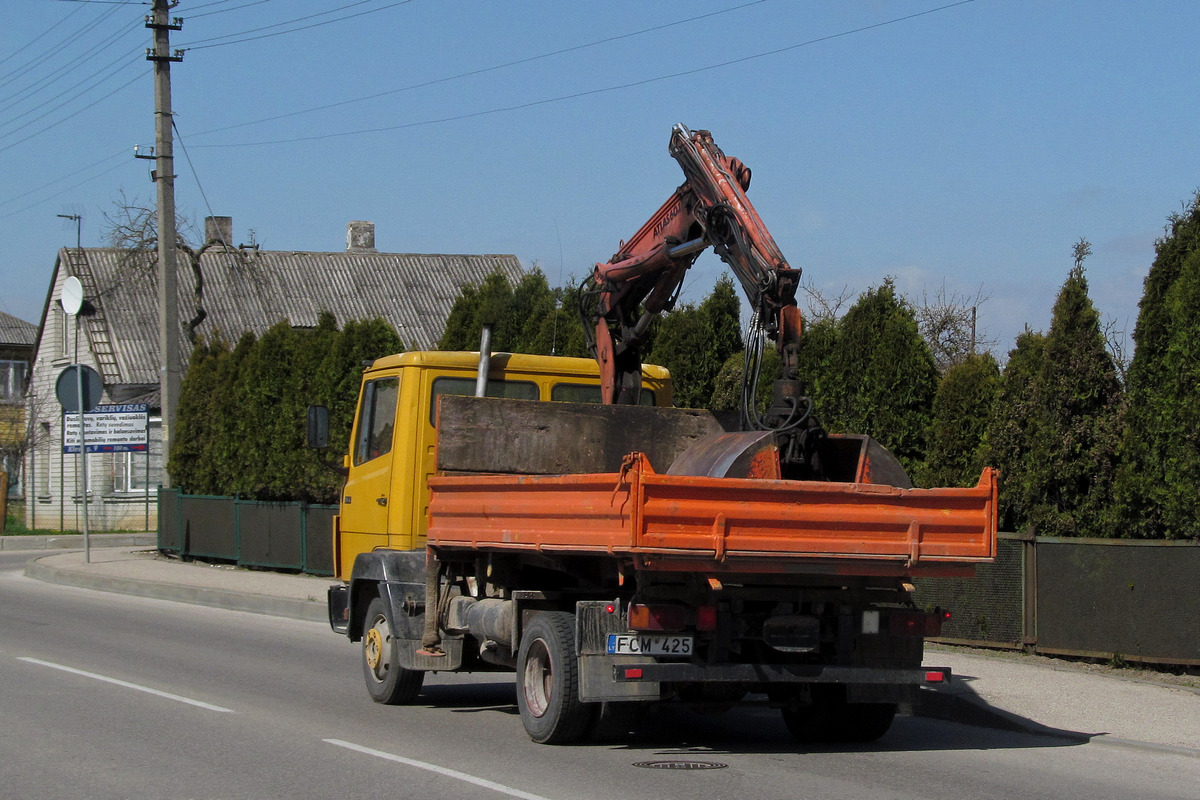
[548, 680]
[387, 682]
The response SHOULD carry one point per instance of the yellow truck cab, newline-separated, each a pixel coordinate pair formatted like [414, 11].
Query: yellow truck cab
[393, 445]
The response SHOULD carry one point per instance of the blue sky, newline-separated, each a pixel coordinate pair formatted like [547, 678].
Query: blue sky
[968, 145]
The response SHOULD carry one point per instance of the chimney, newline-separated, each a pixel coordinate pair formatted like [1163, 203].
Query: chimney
[219, 230]
[360, 237]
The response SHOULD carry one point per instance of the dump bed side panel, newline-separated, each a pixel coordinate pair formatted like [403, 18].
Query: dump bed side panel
[725, 523]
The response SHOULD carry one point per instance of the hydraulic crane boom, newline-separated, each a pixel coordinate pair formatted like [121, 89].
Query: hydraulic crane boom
[643, 279]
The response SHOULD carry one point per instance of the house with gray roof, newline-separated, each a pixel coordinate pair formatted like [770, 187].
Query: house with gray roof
[226, 292]
[17, 338]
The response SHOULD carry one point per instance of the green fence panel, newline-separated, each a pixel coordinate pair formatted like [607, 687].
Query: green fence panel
[209, 528]
[318, 539]
[987, 608]
[269, 535]
[1136, 599]
[169, 538]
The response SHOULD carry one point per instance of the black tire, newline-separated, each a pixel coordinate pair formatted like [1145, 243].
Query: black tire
[387, 682]
[548, 681]
[866, 722]
[831, 719]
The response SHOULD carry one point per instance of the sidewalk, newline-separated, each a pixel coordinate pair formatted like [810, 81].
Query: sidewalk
[144, 572]
[998, 690]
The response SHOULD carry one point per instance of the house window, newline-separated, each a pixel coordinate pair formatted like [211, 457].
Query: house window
[64, 329]
[129, 469]
[12, 380]
[47, 465]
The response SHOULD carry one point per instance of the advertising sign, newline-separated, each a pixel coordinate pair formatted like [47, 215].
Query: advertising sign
[109, 429]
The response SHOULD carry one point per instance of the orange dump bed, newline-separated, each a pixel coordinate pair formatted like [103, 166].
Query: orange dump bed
[672, 522]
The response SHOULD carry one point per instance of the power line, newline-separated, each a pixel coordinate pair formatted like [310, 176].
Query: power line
[192, 16]
[199, 43]
[603, 90]
[63, 191]
[72, 114]
[40, 36]
[56, 49]
[120, 63]
[484, 70]
[66, 69]
[203, 194]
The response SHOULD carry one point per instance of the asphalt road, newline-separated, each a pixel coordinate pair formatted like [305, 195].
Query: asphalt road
[108, 696]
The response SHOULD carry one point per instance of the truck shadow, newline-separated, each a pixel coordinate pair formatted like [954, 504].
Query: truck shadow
[957, 720]
[676, 731]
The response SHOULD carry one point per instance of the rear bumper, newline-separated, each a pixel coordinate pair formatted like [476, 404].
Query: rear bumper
[778, 673]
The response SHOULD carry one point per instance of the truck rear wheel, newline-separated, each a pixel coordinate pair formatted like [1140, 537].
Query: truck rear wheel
[387, 682]
[548, 680]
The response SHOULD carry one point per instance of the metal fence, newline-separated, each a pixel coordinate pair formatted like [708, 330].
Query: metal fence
[284, 536]
[1099, 598]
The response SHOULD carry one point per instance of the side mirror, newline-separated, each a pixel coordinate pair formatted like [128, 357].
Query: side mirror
[318, 427]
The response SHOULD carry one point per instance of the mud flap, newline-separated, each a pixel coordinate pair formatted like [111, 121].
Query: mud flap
[594, 622]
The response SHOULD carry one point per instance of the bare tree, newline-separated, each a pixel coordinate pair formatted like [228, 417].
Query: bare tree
[947, 322]
[823, 307]
[20, 437]
[133, 228]
[1116, 342]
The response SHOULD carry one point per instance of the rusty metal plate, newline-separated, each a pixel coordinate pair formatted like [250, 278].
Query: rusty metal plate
[753, 454]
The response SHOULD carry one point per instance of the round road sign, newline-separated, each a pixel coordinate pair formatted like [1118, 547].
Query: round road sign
[66, 388]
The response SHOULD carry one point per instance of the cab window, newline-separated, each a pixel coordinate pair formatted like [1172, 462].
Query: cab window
[512, 390]
[590, 393]
[376, 419]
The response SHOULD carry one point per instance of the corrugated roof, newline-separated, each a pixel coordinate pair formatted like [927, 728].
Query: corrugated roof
[16, 331]
[253, 290]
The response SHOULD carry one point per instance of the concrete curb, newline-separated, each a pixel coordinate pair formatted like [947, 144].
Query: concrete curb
[74, 541]
[307, 610]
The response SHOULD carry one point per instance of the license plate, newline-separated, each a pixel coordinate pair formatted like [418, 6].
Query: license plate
[645, 644]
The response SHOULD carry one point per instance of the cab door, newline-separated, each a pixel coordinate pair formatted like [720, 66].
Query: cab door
[365, 498]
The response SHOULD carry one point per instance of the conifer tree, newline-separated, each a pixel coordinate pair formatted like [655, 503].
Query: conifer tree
[962, 409]
[1073, 461]
[228, 456]
[191, 458]
[1156, 495]
[881, 376]
[694, 342]
[1059, 421]
[1012, 428]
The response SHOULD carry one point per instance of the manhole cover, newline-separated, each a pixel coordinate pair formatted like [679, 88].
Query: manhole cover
[680, 764]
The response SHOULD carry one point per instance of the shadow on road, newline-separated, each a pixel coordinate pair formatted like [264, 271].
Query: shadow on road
[956, 719]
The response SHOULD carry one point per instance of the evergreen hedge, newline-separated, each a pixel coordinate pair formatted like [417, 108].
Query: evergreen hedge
[241, 424]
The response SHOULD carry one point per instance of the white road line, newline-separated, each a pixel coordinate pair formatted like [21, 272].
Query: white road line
[128, 685]
[449, 773]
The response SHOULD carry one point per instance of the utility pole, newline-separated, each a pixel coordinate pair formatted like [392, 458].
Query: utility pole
[164, 176]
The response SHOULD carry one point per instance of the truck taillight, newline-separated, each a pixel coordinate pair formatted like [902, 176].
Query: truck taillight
[706, 618]
[916, 623]
[656, 618]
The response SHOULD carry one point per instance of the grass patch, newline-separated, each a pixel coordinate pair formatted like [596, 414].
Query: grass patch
[14, 525]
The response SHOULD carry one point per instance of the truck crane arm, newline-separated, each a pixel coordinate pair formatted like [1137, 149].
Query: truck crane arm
[643, 279]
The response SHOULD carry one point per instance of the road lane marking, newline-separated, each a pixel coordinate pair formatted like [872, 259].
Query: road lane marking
[127, 685]
[449, 773]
